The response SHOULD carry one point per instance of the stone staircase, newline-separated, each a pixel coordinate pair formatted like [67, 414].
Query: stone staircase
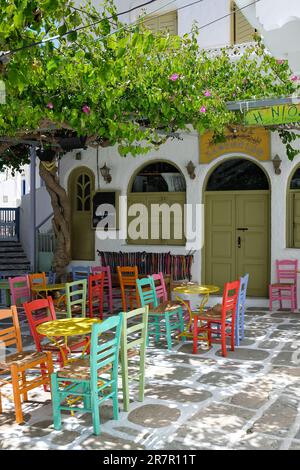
[13, 261]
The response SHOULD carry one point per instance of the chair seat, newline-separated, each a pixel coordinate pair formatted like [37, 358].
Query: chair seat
[168, 306]
[214, 313]
[283, 285]
[80, 369]
[22, 358]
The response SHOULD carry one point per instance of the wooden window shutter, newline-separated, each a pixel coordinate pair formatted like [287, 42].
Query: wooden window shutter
[163, 23]
[296, 220]
[242, 29]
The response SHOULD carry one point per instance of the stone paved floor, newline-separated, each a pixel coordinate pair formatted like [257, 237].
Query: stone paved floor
[249, 400]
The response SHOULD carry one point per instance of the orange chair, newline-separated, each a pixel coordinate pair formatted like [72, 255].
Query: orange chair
[17, 364]
[127, 278]
[37, 280]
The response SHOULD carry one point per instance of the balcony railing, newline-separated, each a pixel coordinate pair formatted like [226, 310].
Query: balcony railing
[9, 223]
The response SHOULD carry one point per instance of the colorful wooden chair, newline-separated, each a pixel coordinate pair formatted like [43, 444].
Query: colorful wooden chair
[51, 278]
[108, 290]
[92, 380]
[219, 321]
[95, 293]
[40, 311]
[18, 364]
[19, 291]
[133, 344]
[37, 280]
[80, 272]
[76, 299]
[286, 286]
[127, 278]
[163, 317]
[240, 310]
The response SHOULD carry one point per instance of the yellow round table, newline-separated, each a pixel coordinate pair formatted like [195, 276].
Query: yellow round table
[41, 291]
[64, 328]
[192, 288]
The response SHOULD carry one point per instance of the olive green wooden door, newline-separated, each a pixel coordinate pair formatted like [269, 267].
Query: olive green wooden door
[237, 238]
[81, 187]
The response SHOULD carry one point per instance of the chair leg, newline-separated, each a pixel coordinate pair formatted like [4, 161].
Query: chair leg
[223, 340]
[181, 323]
[157, 329]
[195, 335]
[236, 331]
[16, 393]
[55, 402]
[125, 383]
[95, 412]
[270, 299]
[168, 332]
[0, 402]
[25, 395]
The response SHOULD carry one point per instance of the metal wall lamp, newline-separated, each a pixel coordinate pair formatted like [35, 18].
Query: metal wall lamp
[191, 170]
[105, 172]
[276, 164]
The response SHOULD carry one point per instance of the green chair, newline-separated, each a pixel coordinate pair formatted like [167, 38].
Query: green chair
[83, 385]
[76, 299]
[164, 317]
[133, 344]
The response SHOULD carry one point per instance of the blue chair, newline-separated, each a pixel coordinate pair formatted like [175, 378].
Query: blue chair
[91, 380]
[163, 317]
[240, 310]
[51, 277]
[80, 272]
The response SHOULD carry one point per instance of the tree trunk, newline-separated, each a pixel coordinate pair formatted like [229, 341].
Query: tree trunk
[61, 219]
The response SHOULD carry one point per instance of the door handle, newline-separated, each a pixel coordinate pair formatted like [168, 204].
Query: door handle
[243, 229]
[239, 242]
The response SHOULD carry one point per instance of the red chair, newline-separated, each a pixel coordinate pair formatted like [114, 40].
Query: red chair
[95, 293]
[219, 321]
[41, 311]
[107, 284]
[286, 286]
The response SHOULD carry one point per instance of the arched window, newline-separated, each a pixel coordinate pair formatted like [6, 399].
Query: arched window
[159, 190]
[237, 174]
[293, 210]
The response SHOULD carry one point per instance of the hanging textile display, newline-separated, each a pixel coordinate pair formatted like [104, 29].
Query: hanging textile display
[177, 266]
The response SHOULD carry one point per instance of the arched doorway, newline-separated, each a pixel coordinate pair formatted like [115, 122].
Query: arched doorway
[237, 225]
[159, 183]
[293, 210]
[81, 185]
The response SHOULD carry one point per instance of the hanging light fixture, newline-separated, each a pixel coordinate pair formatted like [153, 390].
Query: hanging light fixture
[105, 172]
[191, 170]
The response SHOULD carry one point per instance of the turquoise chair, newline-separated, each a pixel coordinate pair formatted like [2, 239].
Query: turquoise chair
[90, 381]
[163, 317]
[240, 310]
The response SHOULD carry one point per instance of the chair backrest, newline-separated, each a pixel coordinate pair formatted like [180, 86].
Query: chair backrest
[134, 335]
[51, 277]
[160, 287]
[106, 270]
[76, 296]
[37, 312]
[286, 270]
[37, 280]
[11, 335]
[243, 292]
[146, 290]
[105, 354]
[80, 272]
[19, 290]
[95, 291]
[127, 275]
[230, 298]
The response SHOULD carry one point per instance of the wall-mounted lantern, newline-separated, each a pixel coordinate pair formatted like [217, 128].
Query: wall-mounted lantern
[191, 170]
[105, 172]
[276, 164]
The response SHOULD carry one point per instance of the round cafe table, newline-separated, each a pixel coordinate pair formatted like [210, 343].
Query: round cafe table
[64, 328]
[192, 288]
[41, 291]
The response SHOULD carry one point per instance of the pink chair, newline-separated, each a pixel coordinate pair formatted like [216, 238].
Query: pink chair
[160, 287]
[19, 290]
[107, 284]
[286, 286]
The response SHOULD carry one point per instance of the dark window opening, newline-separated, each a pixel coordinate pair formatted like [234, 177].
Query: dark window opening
[237, 175]
[159, 177]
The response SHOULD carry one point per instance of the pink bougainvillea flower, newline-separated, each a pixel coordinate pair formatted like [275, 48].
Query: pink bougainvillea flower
[86, 109]
[295, 78]
[203, 109]
[50, 105]
[207, 93]
[174, 77]
[280, 61]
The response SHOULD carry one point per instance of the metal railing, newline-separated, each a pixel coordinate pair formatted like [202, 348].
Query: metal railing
[9, 223]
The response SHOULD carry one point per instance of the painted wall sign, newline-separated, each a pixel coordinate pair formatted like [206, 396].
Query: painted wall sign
[279, 114]
[252, 141]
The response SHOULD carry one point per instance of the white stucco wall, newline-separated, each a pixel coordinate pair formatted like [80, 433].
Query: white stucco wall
[180, 152]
